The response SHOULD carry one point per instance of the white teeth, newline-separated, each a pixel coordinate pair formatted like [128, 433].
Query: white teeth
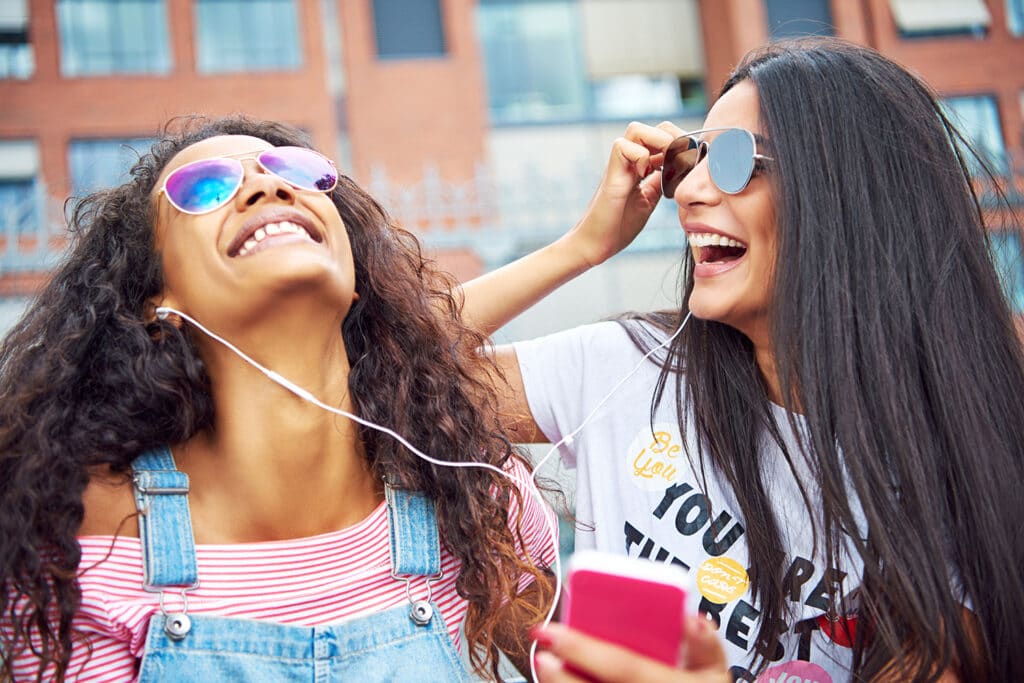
[708, 239]
[271, 229]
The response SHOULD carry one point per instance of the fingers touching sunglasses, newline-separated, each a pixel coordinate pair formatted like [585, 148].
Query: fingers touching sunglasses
[732, 158]
[206, 185]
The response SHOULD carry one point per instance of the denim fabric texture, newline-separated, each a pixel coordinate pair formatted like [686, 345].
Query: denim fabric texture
[165, 526]
[415, 541]
[386, 646]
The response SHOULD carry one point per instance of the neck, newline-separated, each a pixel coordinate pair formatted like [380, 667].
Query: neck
[270, 453]
[765, 360]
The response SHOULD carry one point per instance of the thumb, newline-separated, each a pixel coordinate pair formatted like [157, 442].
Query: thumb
[702, 649]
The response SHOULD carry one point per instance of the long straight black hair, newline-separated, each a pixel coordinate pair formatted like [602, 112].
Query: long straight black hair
[894, 340]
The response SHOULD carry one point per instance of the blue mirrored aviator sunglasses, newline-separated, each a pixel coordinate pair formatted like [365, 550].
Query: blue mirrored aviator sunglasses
[732, 158]
[206, 185]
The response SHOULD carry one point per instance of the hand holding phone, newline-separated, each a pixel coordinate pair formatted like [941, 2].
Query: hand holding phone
[637, 604]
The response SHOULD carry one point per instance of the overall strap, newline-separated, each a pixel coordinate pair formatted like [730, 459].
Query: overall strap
[415, 541]
[165, 525]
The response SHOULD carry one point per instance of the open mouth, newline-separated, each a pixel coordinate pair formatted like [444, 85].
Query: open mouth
[714, 248]
[250, 239]
[272, 230]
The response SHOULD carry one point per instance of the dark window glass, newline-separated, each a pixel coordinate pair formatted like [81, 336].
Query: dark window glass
[408, 28]
[791, 18]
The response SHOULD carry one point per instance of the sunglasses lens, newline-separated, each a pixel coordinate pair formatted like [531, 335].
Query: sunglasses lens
[301, 167]
[731, 160]
[680, 158]
[204, 185]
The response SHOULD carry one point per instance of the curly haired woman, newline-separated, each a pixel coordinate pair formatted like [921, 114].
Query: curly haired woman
[167, 512]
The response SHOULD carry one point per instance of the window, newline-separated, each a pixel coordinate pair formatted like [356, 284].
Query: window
[533, 61]
[408, 28]
[1009, 260]
[97, 164]
[16, 58]
[536, 71]
[1015, 17]
[978, 119]
[791, 18]
[624, 97]
[247, 35]
[99, 37]
[928, 18]
[20, 190]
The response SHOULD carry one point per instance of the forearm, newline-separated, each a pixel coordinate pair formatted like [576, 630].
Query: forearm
[628, 193]
[495, 298]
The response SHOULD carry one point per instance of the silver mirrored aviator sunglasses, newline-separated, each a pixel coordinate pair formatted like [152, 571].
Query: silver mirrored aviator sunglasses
[207, 184]
[732, 158]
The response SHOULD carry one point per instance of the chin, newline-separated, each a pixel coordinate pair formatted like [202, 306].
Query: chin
[706, 306]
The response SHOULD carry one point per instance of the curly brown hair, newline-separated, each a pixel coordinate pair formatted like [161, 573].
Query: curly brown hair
[87, 382]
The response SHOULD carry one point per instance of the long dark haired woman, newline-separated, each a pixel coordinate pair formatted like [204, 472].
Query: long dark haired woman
[297, 566]
[834, 442]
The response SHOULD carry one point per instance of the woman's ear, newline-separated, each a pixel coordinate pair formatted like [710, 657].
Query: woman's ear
[157, 309]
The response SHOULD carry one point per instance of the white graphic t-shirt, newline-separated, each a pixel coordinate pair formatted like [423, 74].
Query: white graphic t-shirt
[638, 494]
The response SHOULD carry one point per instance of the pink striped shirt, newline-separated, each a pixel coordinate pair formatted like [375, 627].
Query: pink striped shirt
[306, 582]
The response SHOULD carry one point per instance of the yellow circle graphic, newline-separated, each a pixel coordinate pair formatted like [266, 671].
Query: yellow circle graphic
[722, 580]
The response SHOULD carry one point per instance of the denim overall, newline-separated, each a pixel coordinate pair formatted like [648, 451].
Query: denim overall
[405, 643]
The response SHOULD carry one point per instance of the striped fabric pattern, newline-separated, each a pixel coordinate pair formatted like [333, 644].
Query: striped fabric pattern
[309, 581]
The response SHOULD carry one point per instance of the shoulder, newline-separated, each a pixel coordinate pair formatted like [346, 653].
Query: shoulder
[596, 345]
[109, 504]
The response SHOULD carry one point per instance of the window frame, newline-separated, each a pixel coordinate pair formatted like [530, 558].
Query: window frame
[79, 57]
[244, 60]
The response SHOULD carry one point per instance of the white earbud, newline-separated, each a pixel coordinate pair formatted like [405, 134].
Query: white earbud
[162, 312]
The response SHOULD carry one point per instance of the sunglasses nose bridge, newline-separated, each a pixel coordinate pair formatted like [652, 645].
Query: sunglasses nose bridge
[258, 180]
[682, 163]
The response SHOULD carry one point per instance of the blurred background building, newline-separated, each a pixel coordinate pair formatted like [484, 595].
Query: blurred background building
[482, 125]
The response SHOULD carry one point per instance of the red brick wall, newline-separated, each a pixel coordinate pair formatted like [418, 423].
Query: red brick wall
[964, 65]
[957, 65]
[53, 110]
[404, 113]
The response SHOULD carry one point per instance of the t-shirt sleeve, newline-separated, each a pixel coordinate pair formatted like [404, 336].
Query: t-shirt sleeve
[564, 372]
[100, 651]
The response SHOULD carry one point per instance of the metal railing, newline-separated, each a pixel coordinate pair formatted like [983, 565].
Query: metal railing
[32, 233]
[502, 218]
[496, 218]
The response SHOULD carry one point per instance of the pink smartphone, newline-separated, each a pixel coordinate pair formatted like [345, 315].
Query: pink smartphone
[638, 604]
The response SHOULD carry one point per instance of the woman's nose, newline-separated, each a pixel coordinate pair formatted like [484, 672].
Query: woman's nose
[258, 184]
[697, 187]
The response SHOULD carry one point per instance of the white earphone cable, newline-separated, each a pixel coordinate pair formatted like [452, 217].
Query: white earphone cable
[163, 311]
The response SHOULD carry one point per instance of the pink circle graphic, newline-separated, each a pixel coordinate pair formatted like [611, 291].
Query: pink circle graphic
[795, 672]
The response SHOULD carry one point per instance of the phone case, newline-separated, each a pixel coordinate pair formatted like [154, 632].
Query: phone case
[638, 604]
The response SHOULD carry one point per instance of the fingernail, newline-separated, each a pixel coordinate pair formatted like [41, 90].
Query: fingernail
[541, 636]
